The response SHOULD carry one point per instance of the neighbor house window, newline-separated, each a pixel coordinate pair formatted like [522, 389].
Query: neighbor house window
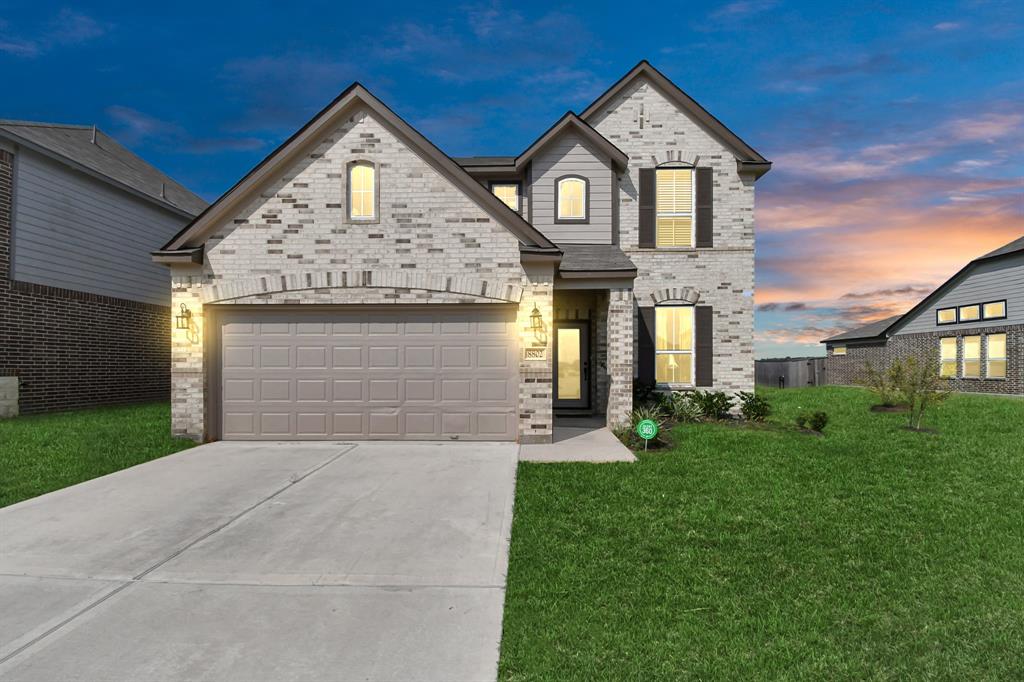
[996, 356]
[362, 191]
[508, 192]
[994, 310]
[972, 357]
[674, 207]
[673, 344]
[839, 350]
[945, 316]
[572, 198]
[969, 313]
[947, 357]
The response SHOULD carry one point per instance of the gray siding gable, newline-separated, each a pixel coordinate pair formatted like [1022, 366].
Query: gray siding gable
[570, 154]
[992, 280]
[74, 231]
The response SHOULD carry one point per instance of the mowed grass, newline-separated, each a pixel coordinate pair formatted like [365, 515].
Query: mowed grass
[872, 553]
[40, 453]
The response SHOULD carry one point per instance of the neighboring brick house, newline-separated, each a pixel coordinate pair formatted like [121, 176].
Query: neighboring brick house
[84, 312]
[972, 326]
[359, 283]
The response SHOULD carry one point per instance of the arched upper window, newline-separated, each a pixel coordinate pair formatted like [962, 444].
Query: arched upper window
[362, 191]
[571, 198]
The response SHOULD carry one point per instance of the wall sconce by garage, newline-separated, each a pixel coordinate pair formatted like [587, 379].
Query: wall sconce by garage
[183, 320]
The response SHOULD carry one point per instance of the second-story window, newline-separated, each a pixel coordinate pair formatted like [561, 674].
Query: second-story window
[508, 192]
[674, 207]
[362, 191]
[572, 198]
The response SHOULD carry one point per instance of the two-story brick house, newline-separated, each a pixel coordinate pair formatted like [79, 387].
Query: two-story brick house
[359, 283]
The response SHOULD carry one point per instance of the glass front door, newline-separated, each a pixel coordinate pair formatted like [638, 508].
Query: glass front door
[572, 365]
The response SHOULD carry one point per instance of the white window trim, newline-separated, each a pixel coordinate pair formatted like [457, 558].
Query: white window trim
[838, 350]
[583, 200]
[693, 207]
[963, 361]
[514, 185]
[374, 192]
[692, 352]
[955, 360]
[988, 358]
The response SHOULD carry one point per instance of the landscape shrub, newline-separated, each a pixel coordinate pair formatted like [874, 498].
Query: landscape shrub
[921, 387]
[679, 407]
[643, 391]
[887, 384]
[754, 407]
[815, 421]
[712, 404]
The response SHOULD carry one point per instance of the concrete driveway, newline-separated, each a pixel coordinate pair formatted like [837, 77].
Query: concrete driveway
[264, 561]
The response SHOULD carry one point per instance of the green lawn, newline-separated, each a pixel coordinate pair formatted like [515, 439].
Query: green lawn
[40, 453]
[872, 553]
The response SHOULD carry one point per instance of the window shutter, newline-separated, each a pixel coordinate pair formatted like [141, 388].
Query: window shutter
[705, 201]
[647, 192]
[645, 362]
[704, 346]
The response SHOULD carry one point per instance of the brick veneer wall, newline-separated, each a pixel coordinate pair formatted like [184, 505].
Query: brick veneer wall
[72, 349]
[849, 369]
[723, 276]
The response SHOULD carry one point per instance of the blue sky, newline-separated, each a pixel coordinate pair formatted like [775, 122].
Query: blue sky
[896, 129]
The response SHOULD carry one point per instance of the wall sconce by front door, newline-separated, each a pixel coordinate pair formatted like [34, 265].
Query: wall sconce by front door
[183, 320]
[537, 326]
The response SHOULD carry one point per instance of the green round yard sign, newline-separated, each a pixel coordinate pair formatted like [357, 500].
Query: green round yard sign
[647, 429]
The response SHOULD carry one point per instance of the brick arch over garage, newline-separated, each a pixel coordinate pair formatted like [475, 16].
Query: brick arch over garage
[490, 289]
[675, 294]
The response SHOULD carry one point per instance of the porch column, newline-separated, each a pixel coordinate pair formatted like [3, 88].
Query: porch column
[620, 356]
[536, 413]
[188, 393]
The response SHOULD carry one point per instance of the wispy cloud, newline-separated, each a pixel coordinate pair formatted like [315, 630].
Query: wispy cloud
[68, 28]
[743, 8]
[133, 127]
[948, 26]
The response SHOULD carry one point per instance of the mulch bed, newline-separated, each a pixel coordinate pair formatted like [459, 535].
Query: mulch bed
[890, 408]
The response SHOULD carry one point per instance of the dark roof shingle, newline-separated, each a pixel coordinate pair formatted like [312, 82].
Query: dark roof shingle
[106, 158]
[594, 258]
[868, 331]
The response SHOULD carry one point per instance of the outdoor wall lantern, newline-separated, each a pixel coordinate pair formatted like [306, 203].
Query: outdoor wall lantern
[536, 321]
[183, 320]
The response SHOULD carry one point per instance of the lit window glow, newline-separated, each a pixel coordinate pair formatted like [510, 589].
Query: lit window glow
[996, 356]
[994, 310]
[674, 206]
[673, 344]
[969, 313]
[839, 350]
[947, 357]
[361, 191]
[972, 357]
[508, 193]
[946, 316]
[572, 199]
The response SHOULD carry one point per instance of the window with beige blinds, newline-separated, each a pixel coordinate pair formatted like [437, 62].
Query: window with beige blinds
[674, 207]
[947, 357]
[572, 199]
[361, 191]
[673, 344]
[972, 357]
[995, 355]
[508, 193]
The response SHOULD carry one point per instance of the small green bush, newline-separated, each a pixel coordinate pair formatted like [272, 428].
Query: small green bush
[712, 404]
[754, 407]
[678, 407]
[813, 422]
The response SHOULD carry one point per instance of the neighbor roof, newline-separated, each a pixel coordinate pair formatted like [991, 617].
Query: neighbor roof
[89, 149]
[747, 157]
[883, 327]
[187, 244]
[869, 331]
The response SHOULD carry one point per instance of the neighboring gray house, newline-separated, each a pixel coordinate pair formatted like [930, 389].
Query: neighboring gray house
[359, 283]
[84, 312]
[973, 325]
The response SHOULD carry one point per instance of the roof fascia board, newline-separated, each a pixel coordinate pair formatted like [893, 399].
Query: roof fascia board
[20, 141]
[179, 257]
[740, 148]
[619, 157]
[353, 95]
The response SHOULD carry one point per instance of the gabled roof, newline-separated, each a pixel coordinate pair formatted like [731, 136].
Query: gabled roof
[889, 325]
[747, 157]
[187, 242]
[571, 121]
[90, 150]
[871, 330]
[580, 260]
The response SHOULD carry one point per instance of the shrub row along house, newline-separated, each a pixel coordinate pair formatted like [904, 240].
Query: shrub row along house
[359, 283]
[973, 326]
[84, 313]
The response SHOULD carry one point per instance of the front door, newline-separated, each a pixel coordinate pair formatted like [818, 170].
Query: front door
[572, 365]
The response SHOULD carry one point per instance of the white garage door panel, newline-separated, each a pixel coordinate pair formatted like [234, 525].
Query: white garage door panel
[381, 374]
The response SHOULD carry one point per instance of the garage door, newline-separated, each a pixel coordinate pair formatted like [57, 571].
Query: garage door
[376, 374]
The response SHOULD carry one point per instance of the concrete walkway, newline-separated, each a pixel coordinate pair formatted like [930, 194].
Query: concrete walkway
[578, 440]
[264, 561]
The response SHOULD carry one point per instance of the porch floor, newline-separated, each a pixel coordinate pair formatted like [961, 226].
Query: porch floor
[578, 439]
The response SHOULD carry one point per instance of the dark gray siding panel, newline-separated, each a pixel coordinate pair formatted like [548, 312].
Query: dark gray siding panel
[991, 281]
[570, 155]
[75, 232]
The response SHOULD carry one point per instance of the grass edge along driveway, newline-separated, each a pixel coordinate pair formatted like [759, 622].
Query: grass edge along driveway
[873, 552]
[46, 452]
